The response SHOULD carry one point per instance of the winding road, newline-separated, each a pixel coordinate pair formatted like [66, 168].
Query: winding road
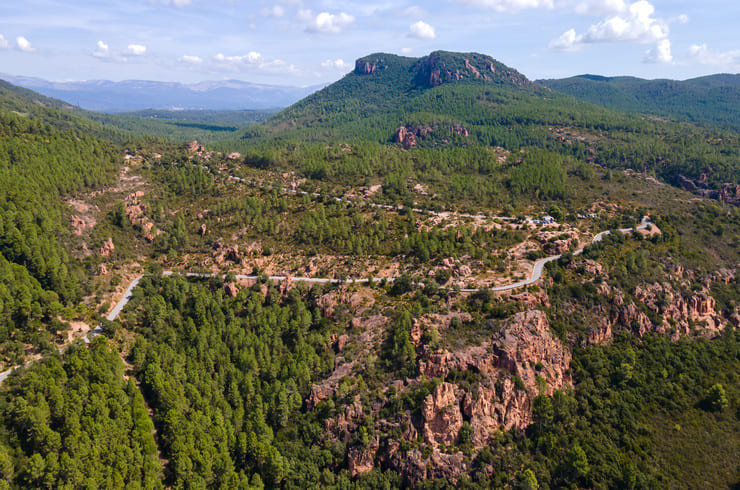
[536, 275]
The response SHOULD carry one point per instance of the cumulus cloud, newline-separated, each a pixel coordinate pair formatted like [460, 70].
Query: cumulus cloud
[136, 49]
[635, 24]
[700, 53]
[325, 23]
[337, 64]
[508, 5]
[250, 58]
[274, 11]
[3, 42]
[421, 30]
[568, 41]
[102, 50]
[406, 50]
[24, 45]
[191, 60]
[661, 53]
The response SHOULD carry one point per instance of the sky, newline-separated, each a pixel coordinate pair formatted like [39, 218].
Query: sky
[312, 42]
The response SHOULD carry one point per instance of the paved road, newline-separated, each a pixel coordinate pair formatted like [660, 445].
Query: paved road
[535, 276]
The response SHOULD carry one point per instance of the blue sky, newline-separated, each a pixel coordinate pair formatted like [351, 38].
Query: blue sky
[308, 42]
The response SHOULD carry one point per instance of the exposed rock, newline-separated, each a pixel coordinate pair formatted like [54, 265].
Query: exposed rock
[365, 67]
[203, 229]
[234, 156]
[107, 248]
[405, 137]
[442, 416]
[194, 146]
[103, 269]
[730, 193]
[360, 460]
[523, 347]
[324, 390]
[231, 289]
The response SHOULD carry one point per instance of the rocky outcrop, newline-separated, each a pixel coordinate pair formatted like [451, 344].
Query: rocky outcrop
[730, 193]
[135, 210]
[523, 347]
[405, 137]
[408, 136]
[107, 249]
[670, 312]
[364, 67]
[442, 417]
[362, 459]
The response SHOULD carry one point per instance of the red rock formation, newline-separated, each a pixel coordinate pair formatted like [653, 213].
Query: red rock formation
[107, 248]
[365, 67]
[442, 416]
[231, 289]
[405, 137]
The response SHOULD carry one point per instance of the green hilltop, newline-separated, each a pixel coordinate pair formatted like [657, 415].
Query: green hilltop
[712, 99]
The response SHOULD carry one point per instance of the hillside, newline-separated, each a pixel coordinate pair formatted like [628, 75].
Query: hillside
[464, 100]
[381, 88]
[712, 99]
[458, 280]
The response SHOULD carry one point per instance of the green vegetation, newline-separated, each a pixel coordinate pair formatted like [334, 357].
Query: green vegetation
[75, 423]
[713, 99]
[251, 384]
[40, 279]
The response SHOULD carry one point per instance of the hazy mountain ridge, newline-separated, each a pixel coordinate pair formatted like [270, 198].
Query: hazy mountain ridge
[130, 95]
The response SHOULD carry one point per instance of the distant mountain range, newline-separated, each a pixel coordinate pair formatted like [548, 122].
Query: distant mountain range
[133, 95]
[713, 98]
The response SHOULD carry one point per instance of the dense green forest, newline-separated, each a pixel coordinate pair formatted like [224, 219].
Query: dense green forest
[41, 281]
[76, 423]
[712, 99]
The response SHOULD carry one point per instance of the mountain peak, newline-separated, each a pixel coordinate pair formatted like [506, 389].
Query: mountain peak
[441, 67]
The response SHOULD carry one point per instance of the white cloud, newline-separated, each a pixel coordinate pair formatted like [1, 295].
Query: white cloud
[181, 3]
[191, 60]
[250, 58]
[568, 41]
[274, 11]
[635, 24]
[421, 30]
[3, 42]
[24, 45]
[102, 50]
[406, 50]
[661, 53]
[338, 64]
[136, 49]
[508, 5]
[700, 53]
[325, 23]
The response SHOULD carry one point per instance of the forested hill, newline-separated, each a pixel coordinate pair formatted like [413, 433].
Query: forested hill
[466, 100]
[57, 113]
[381, 87]
[46, 155]
[714, 98]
